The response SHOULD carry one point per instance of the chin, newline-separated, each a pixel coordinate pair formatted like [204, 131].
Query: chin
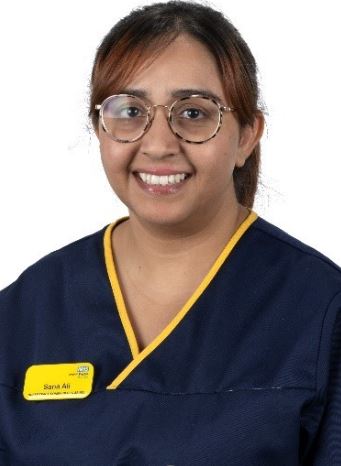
[166, 216]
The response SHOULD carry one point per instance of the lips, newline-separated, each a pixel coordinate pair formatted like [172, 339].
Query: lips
[161, 189]
[162, 171]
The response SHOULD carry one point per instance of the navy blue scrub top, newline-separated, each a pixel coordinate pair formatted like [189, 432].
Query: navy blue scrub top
[248, 373]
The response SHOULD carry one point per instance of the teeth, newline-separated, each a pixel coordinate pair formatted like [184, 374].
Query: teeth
[162, 180]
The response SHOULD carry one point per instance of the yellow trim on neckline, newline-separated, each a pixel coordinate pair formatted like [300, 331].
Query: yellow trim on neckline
[115, 286]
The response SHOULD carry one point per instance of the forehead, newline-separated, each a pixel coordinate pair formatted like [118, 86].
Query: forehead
[184, 67]
[175, 93]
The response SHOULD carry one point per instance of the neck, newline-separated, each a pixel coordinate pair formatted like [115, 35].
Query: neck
[159, 249]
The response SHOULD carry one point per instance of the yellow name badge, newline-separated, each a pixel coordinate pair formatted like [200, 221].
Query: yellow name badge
[58, 381]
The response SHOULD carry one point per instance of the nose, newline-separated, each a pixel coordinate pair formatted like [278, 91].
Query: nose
[159, 140]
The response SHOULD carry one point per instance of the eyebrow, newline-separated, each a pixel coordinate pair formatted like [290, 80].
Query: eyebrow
[176, 93]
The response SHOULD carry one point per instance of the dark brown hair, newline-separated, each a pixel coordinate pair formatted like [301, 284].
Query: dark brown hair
[139, 37]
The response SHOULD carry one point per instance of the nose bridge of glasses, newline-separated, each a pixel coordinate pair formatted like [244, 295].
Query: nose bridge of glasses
[161, 124]
[153, 108]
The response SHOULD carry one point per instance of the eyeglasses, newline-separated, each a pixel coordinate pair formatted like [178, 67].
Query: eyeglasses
[195, 119]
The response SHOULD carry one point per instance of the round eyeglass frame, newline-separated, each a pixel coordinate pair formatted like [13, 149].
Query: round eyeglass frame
[151, 115]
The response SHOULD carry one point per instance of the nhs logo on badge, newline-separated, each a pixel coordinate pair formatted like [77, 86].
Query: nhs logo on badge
[82, 369]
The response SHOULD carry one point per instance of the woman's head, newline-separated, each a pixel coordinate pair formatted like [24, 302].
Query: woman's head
[139, 38]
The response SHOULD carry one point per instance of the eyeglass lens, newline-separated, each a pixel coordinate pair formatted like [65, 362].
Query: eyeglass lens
[194, 118]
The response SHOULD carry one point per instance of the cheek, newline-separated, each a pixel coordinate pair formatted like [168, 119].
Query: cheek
[218, 162]
[115, 166]
[115, 159]
[115, 171]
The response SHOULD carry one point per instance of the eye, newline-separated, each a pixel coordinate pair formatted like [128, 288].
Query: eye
[124, 107]
[128, 112]
[193, 113]
[193, 110]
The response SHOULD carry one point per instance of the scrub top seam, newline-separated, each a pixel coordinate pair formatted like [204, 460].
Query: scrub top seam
[214, 392]
[299, 248]
[334, 297]
[217, 392]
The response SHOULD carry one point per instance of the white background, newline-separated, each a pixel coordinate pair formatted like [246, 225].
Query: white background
[53, 189]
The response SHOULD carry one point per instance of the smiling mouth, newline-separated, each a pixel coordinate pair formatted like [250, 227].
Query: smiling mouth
[162, 180]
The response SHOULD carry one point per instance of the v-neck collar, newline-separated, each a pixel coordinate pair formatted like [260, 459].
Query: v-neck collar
[121, 307]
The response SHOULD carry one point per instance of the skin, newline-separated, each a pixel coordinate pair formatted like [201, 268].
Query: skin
[178, 235]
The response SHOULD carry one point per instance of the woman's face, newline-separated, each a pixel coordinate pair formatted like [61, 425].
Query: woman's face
[185, 64]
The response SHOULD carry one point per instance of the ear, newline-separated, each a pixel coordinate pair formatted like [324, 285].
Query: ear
[249, 137]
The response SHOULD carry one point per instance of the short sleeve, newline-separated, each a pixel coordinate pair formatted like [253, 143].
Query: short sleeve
[326, 448]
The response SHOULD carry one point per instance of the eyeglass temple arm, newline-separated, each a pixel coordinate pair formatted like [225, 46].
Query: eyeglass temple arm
[226, 109]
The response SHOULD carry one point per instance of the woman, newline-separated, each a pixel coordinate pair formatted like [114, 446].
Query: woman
[191, 332]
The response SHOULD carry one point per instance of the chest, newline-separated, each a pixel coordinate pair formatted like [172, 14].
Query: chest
[149, 309]
[139, 428]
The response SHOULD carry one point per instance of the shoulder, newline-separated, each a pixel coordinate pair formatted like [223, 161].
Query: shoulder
[281, 249]
[289, 243]
[55, 267]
